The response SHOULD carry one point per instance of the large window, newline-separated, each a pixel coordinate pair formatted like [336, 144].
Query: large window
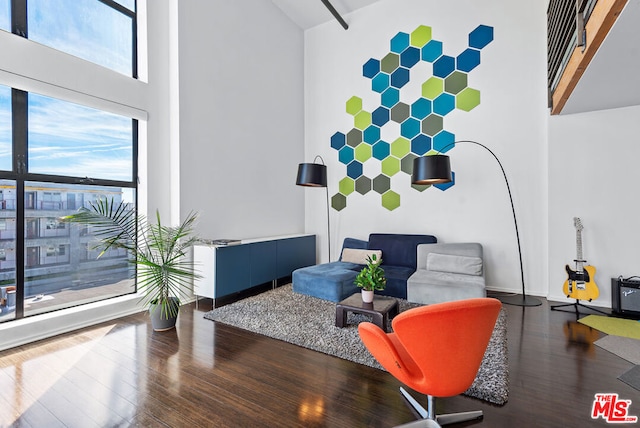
[57, 156]
[73, 140]
[62, 267]
[53, 264]
[100, 32]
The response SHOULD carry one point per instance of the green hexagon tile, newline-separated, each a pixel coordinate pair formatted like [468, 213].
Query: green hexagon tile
[421, 118]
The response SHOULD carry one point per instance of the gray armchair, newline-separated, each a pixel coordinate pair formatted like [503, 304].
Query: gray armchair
[447, 272]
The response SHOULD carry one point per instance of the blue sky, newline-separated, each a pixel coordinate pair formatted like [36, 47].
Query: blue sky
[5, 23]
[66, 138]
[85, 28]
[70, 139]
[5, 128]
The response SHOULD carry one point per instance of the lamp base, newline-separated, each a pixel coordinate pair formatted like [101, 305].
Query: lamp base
[519, 300]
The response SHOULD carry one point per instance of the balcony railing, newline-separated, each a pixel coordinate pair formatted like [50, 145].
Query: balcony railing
[575, 31]
[566, 21]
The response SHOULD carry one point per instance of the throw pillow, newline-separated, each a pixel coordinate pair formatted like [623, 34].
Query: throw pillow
[454, 264]
[353, 255]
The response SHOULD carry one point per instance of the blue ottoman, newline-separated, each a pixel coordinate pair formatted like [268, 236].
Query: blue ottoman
[330, 281]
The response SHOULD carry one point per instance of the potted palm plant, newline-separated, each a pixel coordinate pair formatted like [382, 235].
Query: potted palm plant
[158, 251]
[371, 278]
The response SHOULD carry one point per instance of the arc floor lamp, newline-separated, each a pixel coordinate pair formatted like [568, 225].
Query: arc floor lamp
[315, 175]
[436, 169]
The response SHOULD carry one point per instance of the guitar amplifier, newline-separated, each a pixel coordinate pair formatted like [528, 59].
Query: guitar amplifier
[625, 296]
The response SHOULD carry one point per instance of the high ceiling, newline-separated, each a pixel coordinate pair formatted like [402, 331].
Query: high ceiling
[611, 80]
[310, 13]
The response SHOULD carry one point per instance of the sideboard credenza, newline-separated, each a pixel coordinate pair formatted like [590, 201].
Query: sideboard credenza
[230, 269]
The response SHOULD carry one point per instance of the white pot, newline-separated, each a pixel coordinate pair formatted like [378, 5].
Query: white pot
[367, 296]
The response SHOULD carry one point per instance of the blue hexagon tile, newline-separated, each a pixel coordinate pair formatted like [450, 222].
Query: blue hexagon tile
[420, 115]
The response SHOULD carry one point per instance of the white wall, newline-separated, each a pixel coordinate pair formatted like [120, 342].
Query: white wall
[593, 175]
[511, 120]
[241, 118]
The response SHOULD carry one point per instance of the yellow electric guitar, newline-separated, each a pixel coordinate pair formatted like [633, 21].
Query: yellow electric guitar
[580, 284]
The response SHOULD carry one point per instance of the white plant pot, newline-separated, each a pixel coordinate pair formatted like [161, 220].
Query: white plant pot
[367, 296]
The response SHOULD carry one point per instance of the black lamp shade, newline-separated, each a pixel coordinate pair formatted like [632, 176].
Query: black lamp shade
[433, 169]
[312, 175]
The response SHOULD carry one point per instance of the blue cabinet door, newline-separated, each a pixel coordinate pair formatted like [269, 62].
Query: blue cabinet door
[294, 253]
[263, 262]
[232, 269]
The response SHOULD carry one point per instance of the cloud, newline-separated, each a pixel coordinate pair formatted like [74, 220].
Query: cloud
[87, 29]
[70, 139]
[115, 169]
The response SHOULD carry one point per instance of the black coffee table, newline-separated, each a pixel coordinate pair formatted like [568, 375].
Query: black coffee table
[381, 309]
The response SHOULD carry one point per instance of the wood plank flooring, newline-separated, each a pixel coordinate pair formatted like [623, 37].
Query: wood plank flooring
[204, 374]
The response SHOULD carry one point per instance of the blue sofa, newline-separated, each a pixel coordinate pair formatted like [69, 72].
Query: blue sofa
[334, 281]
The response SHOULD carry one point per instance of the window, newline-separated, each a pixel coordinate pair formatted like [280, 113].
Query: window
[54, 223]
[56, 156]
[100, 32]
[7, 228]
[72, 140]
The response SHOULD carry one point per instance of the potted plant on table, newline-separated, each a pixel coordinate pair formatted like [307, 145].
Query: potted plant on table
[158, 252]
[371, 278]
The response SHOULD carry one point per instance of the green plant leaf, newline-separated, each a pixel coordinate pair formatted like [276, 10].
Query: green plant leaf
[157, 250]
[371, 277]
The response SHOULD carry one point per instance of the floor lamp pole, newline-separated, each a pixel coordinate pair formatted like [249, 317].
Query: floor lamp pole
[518, 300]
[326, 189]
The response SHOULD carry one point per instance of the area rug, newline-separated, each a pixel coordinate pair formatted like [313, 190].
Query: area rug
[632, 377]
[310, 322]
[611, 325]
[623, 347]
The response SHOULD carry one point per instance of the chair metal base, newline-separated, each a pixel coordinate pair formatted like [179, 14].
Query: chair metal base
[429, 415]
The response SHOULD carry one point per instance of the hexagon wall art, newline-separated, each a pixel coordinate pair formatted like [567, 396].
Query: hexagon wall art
[420, 119]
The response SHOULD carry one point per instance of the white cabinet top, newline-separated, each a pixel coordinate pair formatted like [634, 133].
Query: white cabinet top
[209, 242]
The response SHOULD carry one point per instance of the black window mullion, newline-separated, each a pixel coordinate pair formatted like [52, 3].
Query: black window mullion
[134, 50]
[19, 18]
[20, 110]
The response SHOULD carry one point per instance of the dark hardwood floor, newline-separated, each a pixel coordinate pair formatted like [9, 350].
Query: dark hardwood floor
[204, 374]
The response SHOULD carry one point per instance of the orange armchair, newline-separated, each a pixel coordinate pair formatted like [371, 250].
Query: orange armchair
[435, 350]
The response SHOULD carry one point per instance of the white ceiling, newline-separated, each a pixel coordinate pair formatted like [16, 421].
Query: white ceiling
[611, 80]
[310, 13]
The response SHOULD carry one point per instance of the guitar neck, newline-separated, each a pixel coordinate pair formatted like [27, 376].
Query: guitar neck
[579, 259]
